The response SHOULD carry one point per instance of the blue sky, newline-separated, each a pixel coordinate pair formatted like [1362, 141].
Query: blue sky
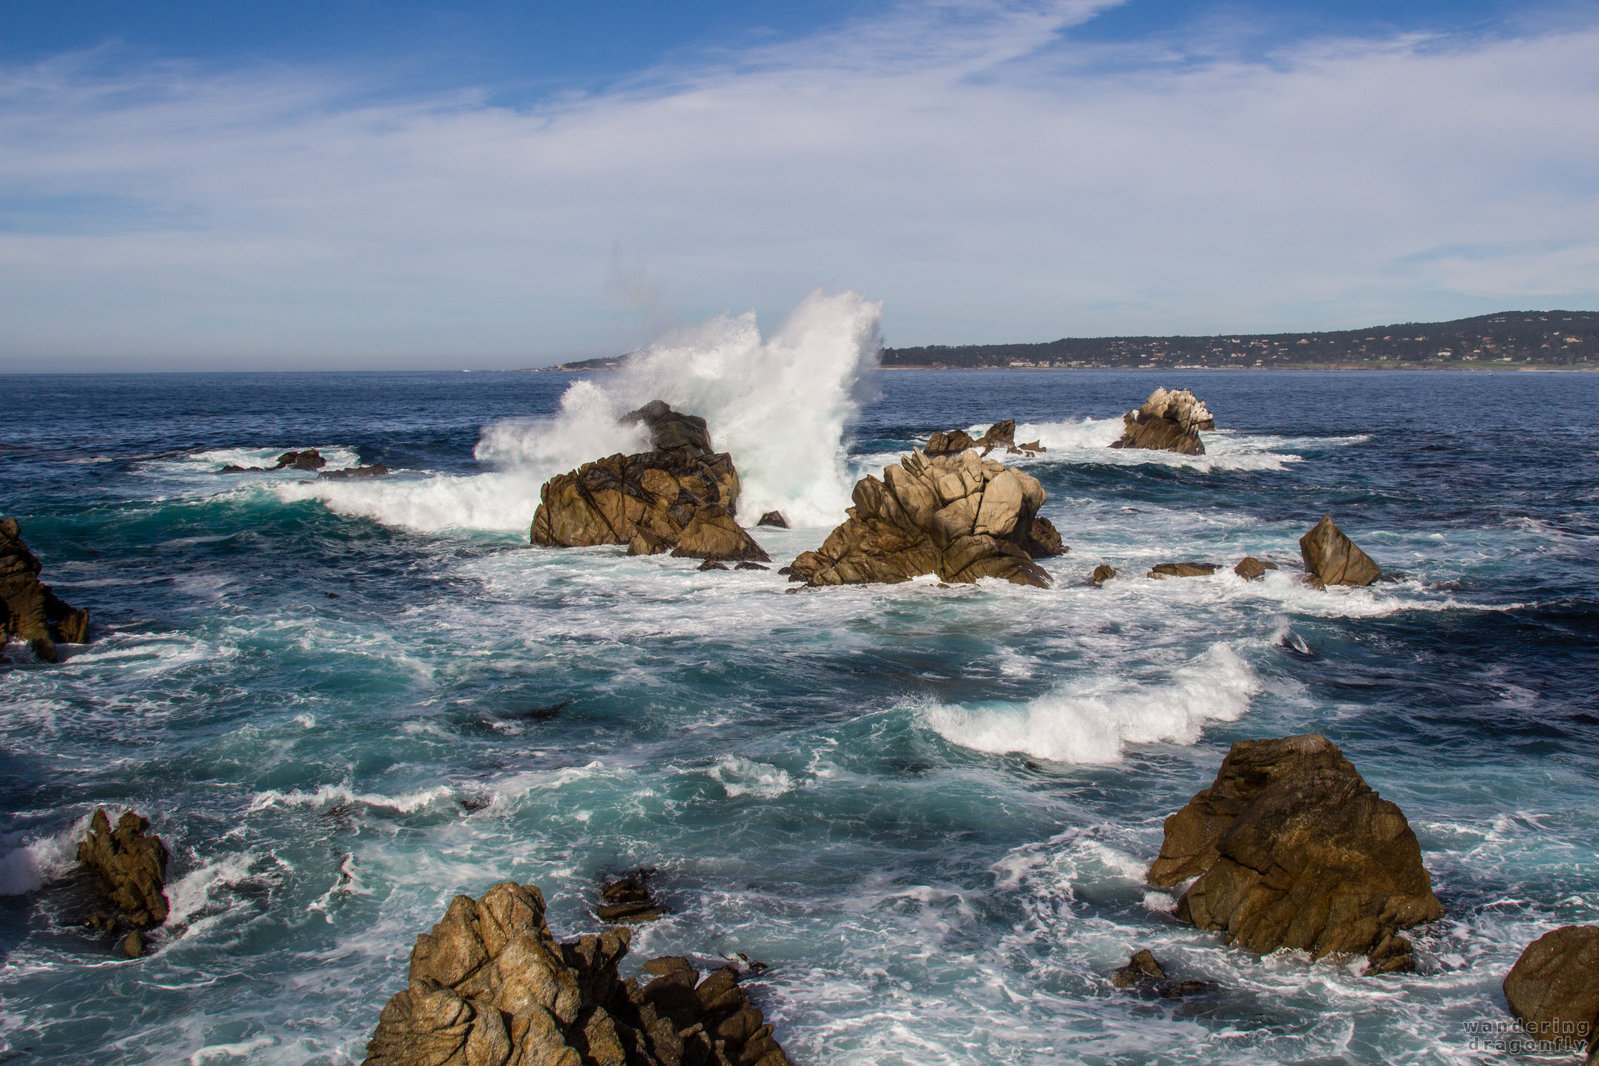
[364, 184]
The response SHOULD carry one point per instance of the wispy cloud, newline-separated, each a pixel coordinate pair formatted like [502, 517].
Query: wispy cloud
[966, 162]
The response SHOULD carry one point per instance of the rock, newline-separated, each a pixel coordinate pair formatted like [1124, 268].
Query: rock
[1164, 570]
[28, 609]
[1000, 434]
[680, 497]
[491, 985]
[132, 945]
[375, 470]
[750, 566]
[1102, 574]
[1292, 849]
[130, 868]
[1167, 422]
[1553, 989]
[1141, 968]
[627, 897]
[1332, 558]
[1043, 540]
[957, 516]
[1252, 569]
[711, 564]
[1031, 448]
[774, 519]
[309, 459]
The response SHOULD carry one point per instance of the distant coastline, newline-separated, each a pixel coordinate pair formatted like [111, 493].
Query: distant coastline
[1509, 340]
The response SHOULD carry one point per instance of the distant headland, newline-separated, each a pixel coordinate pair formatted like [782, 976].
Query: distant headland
[1552, 340]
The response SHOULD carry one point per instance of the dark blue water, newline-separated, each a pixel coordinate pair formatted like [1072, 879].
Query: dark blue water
[929, 809]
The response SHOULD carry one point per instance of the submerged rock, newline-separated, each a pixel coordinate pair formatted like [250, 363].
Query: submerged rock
[679, 497]
[627, 898]
[490, 985]
[375, 470]
[1292, 849]
[1167, 422]
[130, 869]
[1553, 989]
[957, 516]
[1252, 569]
[1333, 559]
[28, 609]
[1163, 570]
[1145, 974]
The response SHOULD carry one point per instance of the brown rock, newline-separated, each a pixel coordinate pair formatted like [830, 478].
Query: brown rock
[1293, 849]
[28, 609]
[490, 985]
[1102, 574]
[375, 470]
[1553, 989]
[1164, 570]
[650, 500]
[941, 443]
[1252, 569]
[774, 519]
[1332, 558]
[1043, 540]
[309, 459]
[627, 898]
[1168, 422]
[958, 516]
[130, 868]
[1142, 967]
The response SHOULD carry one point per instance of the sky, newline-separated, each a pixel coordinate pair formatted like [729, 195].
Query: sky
[356, 184]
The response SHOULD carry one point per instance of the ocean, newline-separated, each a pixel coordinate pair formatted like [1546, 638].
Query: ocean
[927, 809]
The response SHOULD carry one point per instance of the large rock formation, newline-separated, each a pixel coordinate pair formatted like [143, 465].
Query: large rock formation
[1292, 849]
[1167, 422]
[679, 497]
[29, 610]
[1332, 558]
[1553, 990]
[490, 986]
[959, 516]
[130, 870]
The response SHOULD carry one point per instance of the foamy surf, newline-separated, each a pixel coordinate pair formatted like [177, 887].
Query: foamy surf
[1093, 721]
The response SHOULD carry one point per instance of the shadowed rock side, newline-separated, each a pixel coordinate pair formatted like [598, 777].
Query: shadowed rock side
[958, 516]
[998, 435]
[130, 870]
[1292, 849]
[680, 497]
[1167, 422]
[29, 610]
[1553, 990]
[490, 986]
[1333, 559]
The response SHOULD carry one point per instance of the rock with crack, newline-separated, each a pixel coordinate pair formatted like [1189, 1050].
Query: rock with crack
[28, 609]
[1333, 559]
[1291, 848]
[130, 870]
[1167, 422]
[490, 986]
[679, 497]
[1252, 569]
[1553, 989]
[959, 516]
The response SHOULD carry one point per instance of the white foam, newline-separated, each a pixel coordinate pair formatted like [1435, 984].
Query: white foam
[340, 795]
[1093, 721]
[739, 776]
[1089, 441]
[37, 861]
[191, 896]
[778, 403]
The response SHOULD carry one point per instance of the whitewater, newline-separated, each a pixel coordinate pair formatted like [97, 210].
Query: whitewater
[928, 809]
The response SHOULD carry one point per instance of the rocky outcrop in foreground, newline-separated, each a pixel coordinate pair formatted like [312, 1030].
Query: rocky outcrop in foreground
[958, 516]
[1553, 990]
[1167, 422]
[130, 870]
[680, 497]
[1333, 559]
[28, 609]
[1292, 849]
[490, 986]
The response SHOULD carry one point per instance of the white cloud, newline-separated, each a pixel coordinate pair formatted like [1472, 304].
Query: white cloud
[968, 163]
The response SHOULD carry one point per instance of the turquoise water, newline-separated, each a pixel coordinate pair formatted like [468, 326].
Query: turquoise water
[927, 809]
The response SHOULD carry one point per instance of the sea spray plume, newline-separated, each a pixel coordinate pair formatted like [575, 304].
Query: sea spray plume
[778, 404]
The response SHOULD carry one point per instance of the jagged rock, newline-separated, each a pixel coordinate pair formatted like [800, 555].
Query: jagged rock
[1164, 570]
[774, 519]
[627, 897]
[1333, 559]
[1252, 569]
[1167, 422]
[309, 459]
[1102, 574]
[1043, 540]
[490, 986]
[1000, 434]
[375, 470]
[130, 869]
[1146, 975]
[958, 516]
[1292, 849]
[679, 497]
[1031, 448]
[132, 945]
[1553, 989]
[28, 609]
[942, 443]
[711, 564]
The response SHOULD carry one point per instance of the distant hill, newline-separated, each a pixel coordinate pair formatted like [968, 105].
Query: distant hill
[1508, 339]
